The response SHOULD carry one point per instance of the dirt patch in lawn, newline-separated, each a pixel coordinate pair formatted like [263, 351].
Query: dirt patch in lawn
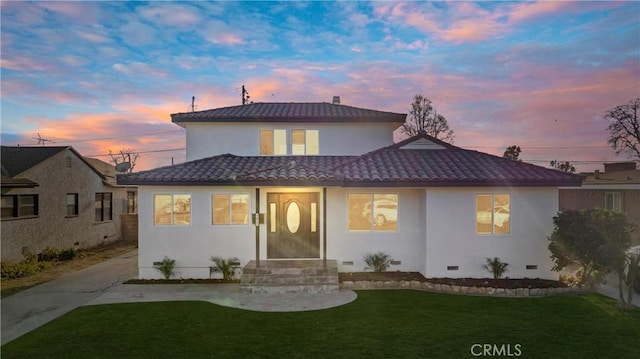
[88, 258]
[510, 283]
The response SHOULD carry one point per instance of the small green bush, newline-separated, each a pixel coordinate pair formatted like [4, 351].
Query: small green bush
[28, 255]
[496, 267]
[226, 266]
[165, 267]
[69, 254]
[19, 270]
[378, 262]
[49, 255]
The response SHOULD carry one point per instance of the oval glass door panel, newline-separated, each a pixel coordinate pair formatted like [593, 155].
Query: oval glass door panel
[293, 217]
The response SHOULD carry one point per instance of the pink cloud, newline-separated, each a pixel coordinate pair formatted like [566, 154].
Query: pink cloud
[23, 64]
[530, 10]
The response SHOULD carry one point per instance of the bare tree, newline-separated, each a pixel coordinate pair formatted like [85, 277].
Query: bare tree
[125, 156]
[624, 130]
[512, 153]
[424, 118]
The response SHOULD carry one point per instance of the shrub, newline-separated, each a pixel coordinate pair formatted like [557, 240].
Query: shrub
[226, 266]
[28, 255]
[49, 255]
[165, 267]
[378, 262]
[496, 267]
[69, 254]
[19, 270]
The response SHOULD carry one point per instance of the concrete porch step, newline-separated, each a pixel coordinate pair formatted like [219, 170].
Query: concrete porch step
[290, 276]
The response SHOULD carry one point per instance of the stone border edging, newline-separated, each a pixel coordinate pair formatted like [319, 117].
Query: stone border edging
[460, 289]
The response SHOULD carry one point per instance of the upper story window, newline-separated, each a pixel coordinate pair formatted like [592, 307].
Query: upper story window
[19, 205]
[613, 201]
[103, 206]
[273, 142]
[303, 142]
[172, 209]
[493, 214]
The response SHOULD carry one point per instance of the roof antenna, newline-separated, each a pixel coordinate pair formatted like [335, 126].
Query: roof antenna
[42, 141]
[193, 104]
[245, 96]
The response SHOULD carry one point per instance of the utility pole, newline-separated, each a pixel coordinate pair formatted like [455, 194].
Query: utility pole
[245, 96]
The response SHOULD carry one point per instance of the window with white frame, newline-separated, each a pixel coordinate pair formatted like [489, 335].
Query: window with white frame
[171, 209]
[613, 201]
[377, 212]
[230, 209]
[273, 142]
[493, 213]
[304, 142]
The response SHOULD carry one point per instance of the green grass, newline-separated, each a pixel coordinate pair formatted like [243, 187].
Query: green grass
[384, 323]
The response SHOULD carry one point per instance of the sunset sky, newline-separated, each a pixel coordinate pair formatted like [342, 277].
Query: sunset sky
[103, 76]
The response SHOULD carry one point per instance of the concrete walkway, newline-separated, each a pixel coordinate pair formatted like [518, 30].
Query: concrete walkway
[102, 284]
[34, 307]
[610, 289]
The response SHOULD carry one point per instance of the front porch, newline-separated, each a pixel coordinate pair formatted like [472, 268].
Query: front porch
[290, 276]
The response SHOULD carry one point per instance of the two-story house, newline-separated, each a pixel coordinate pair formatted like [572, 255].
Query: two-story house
[328, 183]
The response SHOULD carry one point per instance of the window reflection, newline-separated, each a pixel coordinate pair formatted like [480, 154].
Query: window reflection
[373, 212]
[172, 209]
[230, 209]
[493, 214]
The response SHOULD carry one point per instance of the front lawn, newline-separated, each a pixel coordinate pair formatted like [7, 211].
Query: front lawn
[382, 323]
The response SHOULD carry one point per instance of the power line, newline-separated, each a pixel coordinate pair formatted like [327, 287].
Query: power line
[151, 151]
[114, 137]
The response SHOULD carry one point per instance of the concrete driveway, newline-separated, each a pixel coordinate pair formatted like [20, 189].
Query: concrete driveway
[34, 307]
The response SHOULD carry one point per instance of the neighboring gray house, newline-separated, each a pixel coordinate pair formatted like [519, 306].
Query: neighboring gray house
[53, 197]
[617, 189]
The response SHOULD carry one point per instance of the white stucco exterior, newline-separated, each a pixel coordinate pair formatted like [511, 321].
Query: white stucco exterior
[243, 139]
[451, 239]
[435, 229]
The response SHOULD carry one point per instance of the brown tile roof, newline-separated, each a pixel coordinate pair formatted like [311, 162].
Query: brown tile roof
[289, 112]
[389, 166]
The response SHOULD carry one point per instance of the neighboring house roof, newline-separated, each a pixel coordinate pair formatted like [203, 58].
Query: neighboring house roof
[620, 177]
[389, 166]
[8, 182]
[289, 112]
[17, 159]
